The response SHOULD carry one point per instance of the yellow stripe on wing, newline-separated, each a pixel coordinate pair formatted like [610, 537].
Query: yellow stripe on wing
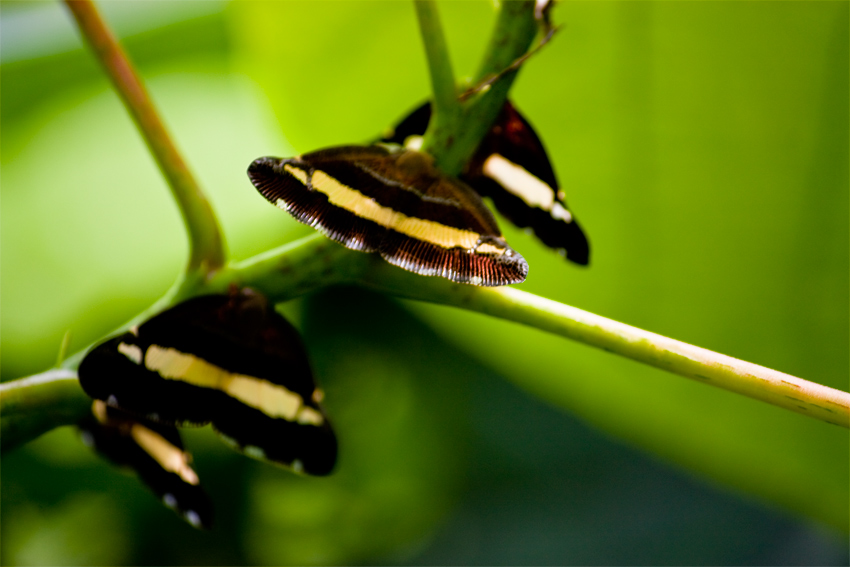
[520, 182]
[271, 399]
[365, 207]
[167, 455]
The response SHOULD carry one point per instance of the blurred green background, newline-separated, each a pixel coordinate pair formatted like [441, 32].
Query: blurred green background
[704, 148]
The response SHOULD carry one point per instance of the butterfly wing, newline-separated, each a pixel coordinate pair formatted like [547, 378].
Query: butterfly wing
[512, 168]
[155, 452]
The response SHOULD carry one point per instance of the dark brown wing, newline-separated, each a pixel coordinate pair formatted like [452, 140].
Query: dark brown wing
[155, 452]
[397, 203]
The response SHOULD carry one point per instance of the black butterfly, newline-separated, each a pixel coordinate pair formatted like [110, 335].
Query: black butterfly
[395, 202]
[229, 360]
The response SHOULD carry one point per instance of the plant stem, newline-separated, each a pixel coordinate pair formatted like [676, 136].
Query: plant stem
[457, 129]
[35, 405]
[512, 36]
[782, 390]
[439, 63]
[295, 269]
[206, 245]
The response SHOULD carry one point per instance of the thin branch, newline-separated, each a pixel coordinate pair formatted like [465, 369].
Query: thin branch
[206, 245]
[487, 81]
[307, 265]
[35, 405]
[708, 367]
[439, 63]
[515, 29]
[315, 262]
[63, 348]
[453, 137]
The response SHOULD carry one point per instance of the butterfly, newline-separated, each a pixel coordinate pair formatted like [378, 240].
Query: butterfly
[229, 360]
[395, 202]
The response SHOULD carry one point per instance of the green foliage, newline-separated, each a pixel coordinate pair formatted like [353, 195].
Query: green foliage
[703, 146]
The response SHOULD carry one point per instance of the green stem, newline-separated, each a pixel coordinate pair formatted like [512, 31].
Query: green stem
[776, 388]
[515, 29]
[295, 269]
[456, 131]
[35, 405]
[439, 63]
[206, 245]
[283, 273]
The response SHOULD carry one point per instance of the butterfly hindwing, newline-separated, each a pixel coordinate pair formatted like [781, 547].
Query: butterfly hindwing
[155, 452]
[511, 167]
[396, 203]
[229, 360]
